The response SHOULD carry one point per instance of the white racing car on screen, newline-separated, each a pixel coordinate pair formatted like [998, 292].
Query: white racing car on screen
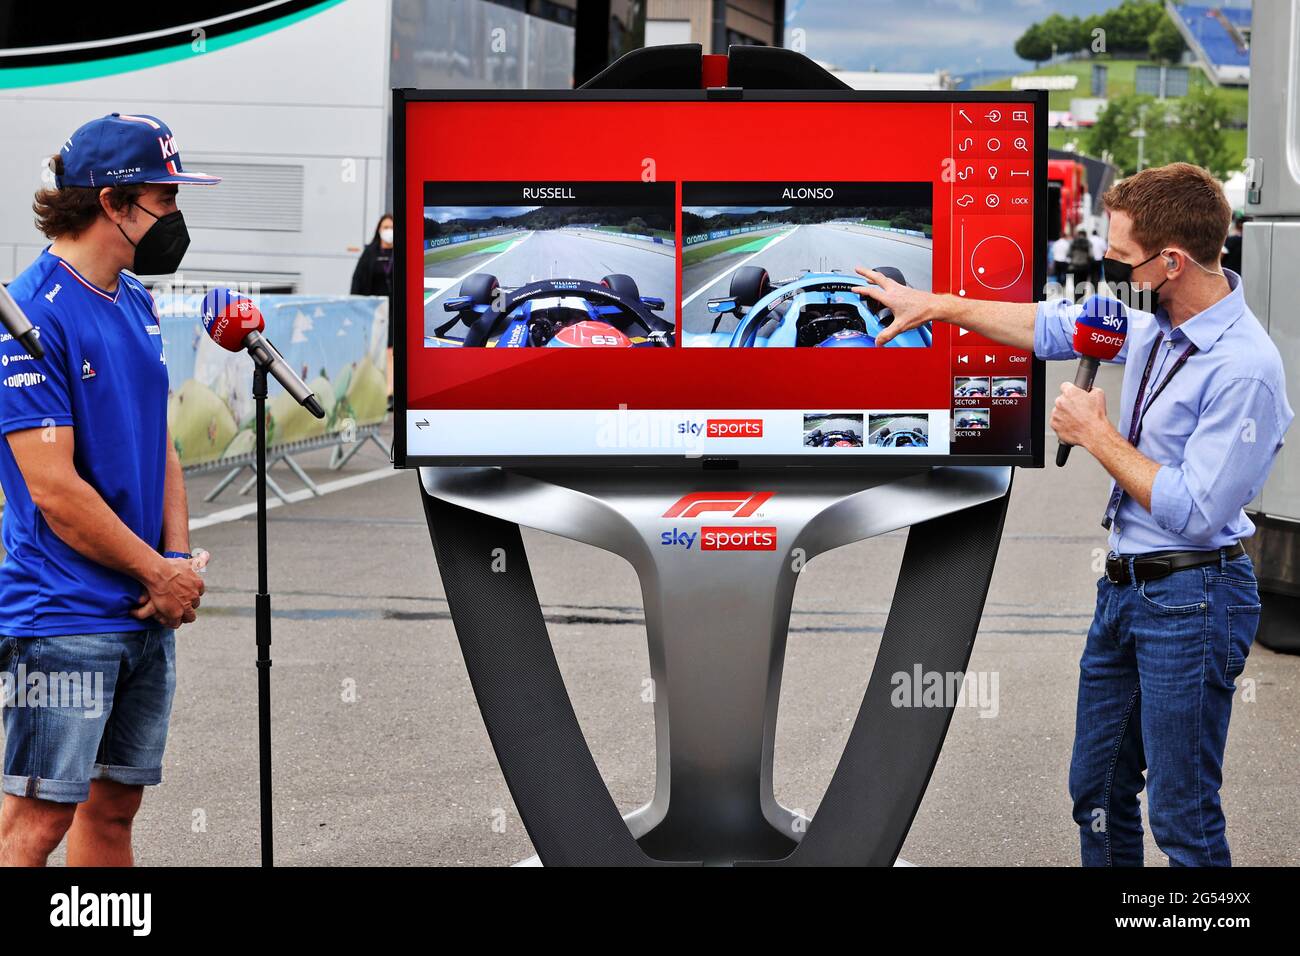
[817, 309]
[553, 313]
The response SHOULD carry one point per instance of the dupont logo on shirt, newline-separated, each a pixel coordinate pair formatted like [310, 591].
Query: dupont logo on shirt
[24, 379]
[87, 370]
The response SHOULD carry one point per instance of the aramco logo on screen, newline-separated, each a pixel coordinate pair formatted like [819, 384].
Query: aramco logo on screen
[735, 504]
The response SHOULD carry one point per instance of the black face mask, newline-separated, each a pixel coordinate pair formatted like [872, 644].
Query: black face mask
[161, 248]
[1118, 272]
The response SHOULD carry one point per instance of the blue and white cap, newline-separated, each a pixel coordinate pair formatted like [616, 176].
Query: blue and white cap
[119, 149]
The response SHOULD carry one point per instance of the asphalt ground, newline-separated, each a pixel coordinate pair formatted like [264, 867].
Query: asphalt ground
[381, 756]
[555, 254]
[819, 248]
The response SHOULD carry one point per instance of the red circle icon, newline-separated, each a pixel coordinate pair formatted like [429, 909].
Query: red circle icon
[997, 262]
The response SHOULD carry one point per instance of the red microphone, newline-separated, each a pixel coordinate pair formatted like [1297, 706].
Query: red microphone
[235, 323]
[1099, 334]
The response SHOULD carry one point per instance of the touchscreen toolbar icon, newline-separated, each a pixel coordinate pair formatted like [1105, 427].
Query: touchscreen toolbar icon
[1020, 116]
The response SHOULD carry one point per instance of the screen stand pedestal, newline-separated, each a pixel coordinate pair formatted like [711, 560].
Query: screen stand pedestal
[716, 621]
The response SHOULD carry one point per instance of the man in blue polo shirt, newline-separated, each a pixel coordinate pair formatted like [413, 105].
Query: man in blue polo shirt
[1202, 416]
[97, 573]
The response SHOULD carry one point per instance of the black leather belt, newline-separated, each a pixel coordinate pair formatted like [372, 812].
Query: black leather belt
[1159, 564]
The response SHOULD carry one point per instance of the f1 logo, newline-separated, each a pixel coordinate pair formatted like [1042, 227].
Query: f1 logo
[738, 504]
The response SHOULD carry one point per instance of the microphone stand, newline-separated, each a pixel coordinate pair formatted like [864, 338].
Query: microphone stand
[263, 625]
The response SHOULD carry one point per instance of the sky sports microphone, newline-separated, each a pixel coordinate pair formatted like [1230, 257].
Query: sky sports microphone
[16, 323]
[1099, 334]
[236, 324]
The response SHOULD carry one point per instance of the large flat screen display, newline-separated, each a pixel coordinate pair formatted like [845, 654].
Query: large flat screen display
[628, 278]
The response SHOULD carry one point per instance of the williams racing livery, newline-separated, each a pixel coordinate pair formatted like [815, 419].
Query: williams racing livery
[553, 313]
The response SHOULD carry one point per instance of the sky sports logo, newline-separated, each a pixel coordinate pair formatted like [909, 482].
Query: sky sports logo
[723, 428]
[713, 538]
[734, 504]
[1101, 337]
[734, 428]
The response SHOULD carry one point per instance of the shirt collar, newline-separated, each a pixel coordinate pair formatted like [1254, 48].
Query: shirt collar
[103, 293]
[1205, 327]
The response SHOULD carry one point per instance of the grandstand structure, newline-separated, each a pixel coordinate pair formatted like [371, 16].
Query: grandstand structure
[1219, 38]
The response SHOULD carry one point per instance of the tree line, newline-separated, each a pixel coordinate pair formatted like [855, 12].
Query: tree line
[900, 217]
[1135, 27]
[638, 219]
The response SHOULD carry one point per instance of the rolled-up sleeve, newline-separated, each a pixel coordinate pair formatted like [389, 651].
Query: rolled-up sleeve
[1054, 329]
[1225, 463]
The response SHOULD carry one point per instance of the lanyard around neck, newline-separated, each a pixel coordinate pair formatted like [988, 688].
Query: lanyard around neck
[1139, 409]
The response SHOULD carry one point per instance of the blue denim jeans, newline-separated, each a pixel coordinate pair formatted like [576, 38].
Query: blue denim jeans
[1155, 694]
[82, 707]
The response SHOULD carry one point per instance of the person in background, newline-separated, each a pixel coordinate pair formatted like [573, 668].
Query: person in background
[374, 276]
[1061, 258]
[1098, 253]
[1081, 258]
[1232, 245]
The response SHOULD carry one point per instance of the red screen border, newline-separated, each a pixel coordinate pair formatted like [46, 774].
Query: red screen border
[402, 97]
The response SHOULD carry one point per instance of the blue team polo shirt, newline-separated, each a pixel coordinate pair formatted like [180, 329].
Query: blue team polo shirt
[105, 374]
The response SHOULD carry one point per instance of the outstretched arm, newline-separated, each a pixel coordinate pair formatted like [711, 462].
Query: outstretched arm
[1011, 323]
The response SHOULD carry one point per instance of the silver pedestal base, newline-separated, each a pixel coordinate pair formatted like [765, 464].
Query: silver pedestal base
[716, 622]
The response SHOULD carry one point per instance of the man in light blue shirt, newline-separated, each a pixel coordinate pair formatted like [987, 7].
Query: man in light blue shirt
[1202, 415]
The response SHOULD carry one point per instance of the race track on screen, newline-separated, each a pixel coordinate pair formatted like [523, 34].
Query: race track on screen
[522, 257]
[898, 423]
[785, 252]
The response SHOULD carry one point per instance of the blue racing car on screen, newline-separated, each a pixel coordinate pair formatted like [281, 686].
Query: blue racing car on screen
[817, 309]
[553, 313]
[901, 438]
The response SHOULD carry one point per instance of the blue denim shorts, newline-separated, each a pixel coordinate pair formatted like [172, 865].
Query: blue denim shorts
[82, 707]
